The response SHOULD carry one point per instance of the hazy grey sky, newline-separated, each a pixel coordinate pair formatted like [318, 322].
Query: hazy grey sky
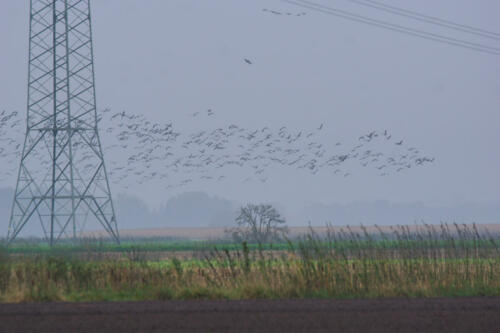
[167, 59]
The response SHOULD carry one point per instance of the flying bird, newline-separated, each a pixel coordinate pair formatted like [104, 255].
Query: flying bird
[248, 61]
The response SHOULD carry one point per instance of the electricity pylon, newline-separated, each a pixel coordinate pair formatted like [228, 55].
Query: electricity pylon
[62, 178]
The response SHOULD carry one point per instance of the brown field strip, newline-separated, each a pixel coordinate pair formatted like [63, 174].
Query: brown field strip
[217, 233]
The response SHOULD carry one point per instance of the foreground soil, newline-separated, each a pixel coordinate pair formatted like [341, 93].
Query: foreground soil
[390, 315]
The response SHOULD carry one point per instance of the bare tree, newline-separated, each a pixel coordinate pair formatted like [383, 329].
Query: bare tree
[259, 223]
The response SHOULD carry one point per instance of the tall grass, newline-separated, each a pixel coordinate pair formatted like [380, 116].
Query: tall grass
[428, 261]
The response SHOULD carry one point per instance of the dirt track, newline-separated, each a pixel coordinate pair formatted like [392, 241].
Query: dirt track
[423, 315]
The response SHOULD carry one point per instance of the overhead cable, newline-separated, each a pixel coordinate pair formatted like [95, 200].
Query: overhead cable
[394, 27]
[427, 18]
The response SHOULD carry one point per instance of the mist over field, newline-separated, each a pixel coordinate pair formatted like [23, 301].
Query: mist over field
[203, 66]
[199, 209]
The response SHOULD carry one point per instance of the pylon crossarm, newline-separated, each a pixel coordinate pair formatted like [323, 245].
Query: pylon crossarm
[96, 152]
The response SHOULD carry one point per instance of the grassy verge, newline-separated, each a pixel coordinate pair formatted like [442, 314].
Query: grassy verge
[62, 279]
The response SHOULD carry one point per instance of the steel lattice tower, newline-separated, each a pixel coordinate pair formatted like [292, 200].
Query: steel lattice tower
[62, 179]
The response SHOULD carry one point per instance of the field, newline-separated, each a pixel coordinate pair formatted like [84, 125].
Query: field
[426, 261]
[477, 314]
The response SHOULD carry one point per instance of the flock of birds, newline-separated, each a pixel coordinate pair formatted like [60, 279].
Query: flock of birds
[138, 150]
[275, 12]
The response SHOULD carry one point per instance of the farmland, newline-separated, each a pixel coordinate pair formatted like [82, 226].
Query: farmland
[428, 261]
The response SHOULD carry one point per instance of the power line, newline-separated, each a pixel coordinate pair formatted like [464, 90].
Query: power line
[394, 27]
[428, 18]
